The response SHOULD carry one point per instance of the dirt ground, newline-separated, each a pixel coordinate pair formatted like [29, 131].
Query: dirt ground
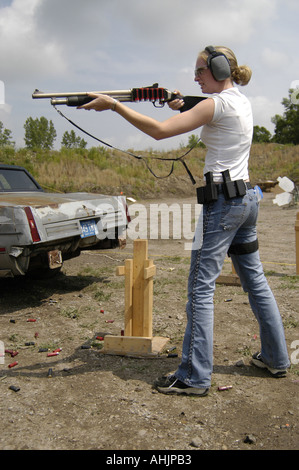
[95, 401]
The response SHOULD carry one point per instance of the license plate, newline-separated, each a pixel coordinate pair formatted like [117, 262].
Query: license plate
[89, 228]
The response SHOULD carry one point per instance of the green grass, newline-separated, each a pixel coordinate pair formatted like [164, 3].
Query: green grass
[101, 170]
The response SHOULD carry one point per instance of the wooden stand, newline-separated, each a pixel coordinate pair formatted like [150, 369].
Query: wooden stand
[138, 337]
[229, 279]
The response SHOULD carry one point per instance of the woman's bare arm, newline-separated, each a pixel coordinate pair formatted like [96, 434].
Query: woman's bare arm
[181, 123]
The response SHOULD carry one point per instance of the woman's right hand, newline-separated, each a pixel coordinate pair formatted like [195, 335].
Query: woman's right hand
[176, 104]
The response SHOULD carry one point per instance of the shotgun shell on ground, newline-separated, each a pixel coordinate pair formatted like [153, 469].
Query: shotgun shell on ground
[13, 364]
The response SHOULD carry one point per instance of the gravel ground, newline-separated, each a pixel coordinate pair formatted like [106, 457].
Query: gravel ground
[96, 401]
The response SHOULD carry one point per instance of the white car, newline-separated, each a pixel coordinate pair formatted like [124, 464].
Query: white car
[39, 230]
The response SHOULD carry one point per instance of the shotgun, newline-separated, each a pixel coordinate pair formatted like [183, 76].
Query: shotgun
[155, 94]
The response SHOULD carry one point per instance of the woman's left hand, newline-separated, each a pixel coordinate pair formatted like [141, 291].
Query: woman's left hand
[99, 103]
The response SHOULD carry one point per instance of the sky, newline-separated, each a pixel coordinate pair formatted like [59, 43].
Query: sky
[71, 45]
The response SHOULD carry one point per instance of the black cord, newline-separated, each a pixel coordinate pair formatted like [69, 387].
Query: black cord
[139, 157]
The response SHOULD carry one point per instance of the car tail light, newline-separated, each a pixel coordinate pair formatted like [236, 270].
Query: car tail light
[33, 229]
[127, 214]
[124, 203]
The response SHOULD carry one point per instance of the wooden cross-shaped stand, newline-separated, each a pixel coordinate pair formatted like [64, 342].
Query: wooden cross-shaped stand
[138, 337]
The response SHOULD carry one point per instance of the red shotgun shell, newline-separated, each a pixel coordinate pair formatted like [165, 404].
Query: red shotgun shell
[9, 351]
[13, 364]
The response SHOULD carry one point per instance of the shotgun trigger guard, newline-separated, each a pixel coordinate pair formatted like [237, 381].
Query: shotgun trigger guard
[160, 105]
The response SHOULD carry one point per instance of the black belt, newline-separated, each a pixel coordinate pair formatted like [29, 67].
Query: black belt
[230, 189]
[221, 185]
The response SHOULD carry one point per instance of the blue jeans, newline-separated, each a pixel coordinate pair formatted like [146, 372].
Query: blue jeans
[227, 223]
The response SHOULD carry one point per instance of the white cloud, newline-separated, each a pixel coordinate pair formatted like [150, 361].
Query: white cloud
[274, 58]
[21, 50]
[263, 110]
[232, 21]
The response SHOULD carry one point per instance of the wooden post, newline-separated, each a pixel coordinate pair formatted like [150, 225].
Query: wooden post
[128, 330]
[297, 242]
[229, 279]
[138, 337]
[233, 269]
[149, 272]
[140, 255]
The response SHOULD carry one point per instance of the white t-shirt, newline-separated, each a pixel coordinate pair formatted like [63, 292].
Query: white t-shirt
[228, 136]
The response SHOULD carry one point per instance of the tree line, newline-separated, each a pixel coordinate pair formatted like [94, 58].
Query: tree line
[41, 134]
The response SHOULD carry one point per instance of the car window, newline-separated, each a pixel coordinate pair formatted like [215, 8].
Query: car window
[16, 180]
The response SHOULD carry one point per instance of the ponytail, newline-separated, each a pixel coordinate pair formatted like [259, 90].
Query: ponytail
[241, 75]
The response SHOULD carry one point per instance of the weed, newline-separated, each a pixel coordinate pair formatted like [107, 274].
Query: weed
[291, 282]
[101, 296]
[70, 312]
[13, 338]
[290, 322]
[101, 170]
[245, 351]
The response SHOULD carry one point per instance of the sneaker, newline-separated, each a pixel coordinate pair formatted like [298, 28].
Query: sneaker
[258, 362]
[164, 380]
[171, 385]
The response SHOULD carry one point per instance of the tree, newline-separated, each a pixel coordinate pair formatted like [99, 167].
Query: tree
[194, 141]
[287, 126]
[39, 133]
[70, 141]
[261, 135]
[5, 136]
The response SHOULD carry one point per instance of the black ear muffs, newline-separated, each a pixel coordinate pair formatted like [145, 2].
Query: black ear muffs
[218, 64]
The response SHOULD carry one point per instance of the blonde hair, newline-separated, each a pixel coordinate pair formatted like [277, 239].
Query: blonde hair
[240, 74]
